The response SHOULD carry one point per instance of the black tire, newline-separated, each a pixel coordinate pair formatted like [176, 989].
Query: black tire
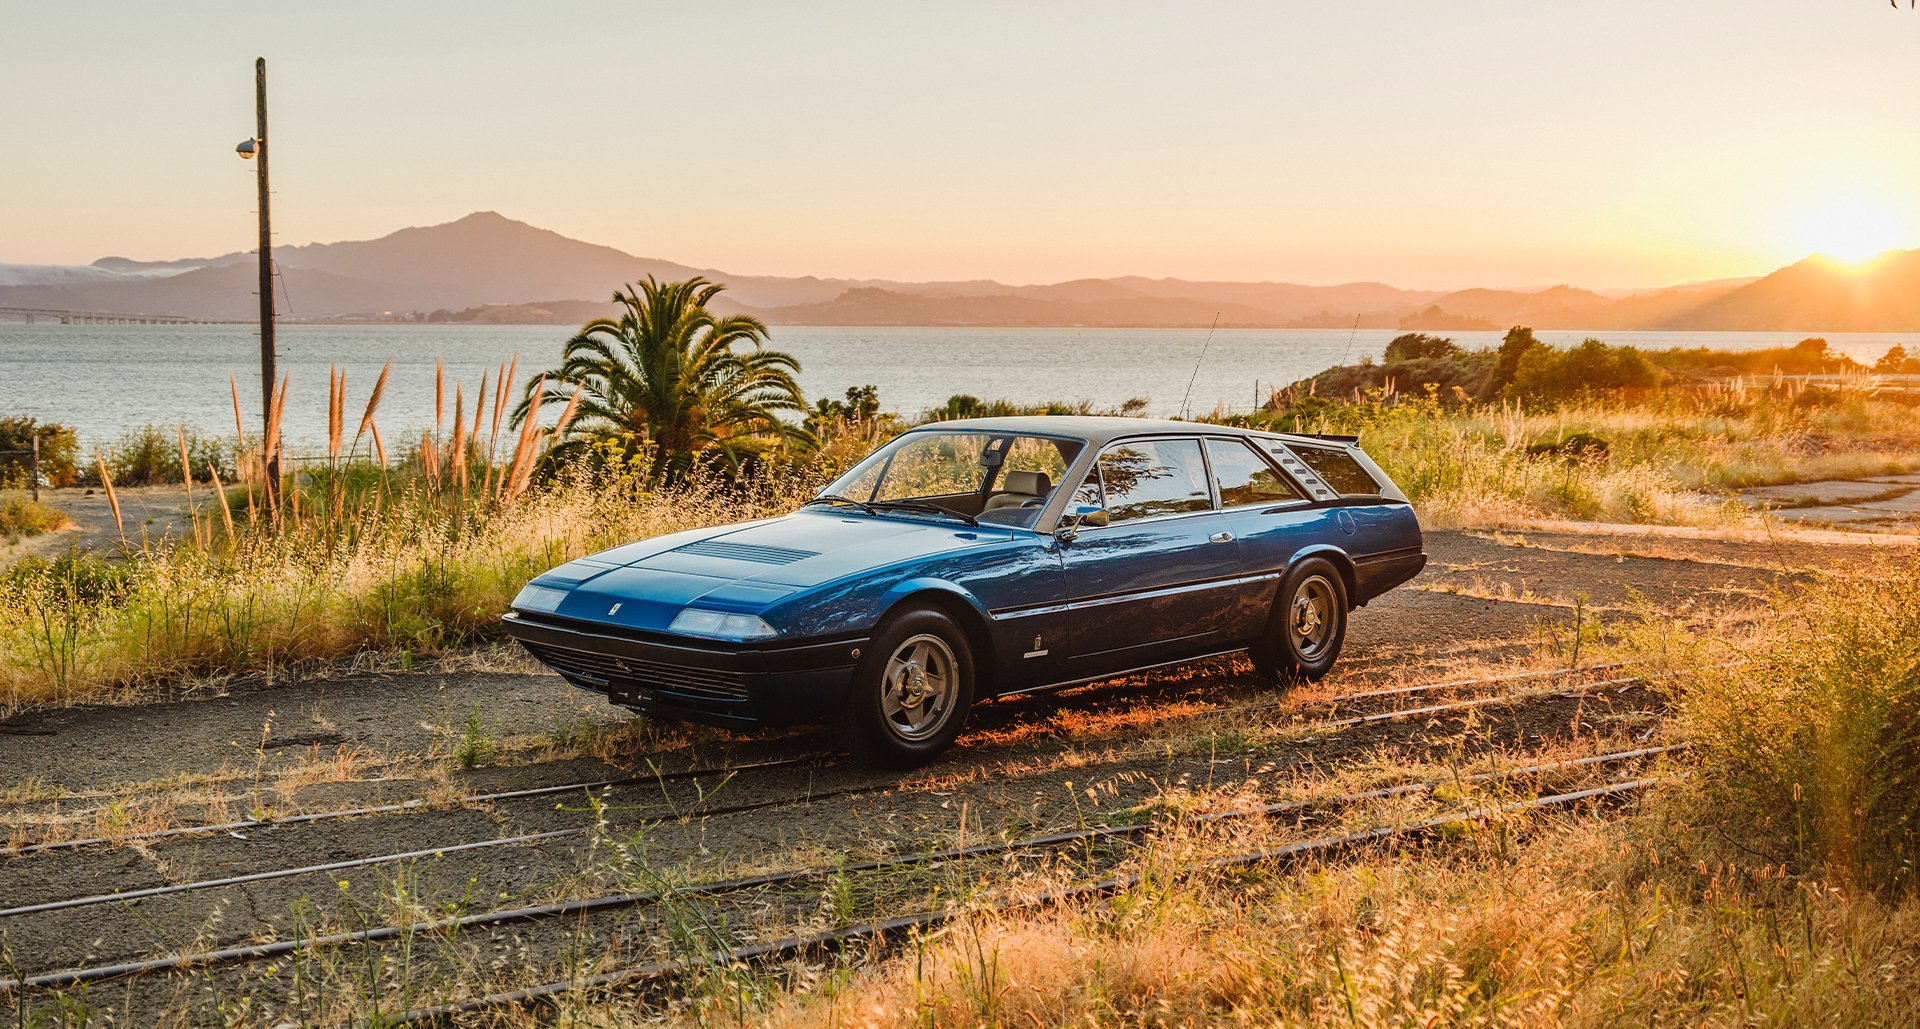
[894, 682]
[1308, 624]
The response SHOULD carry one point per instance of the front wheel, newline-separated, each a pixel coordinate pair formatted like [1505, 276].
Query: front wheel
[1307, 626]
[912, 690]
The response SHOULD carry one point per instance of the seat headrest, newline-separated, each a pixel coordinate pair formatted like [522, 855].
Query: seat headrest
[1031, 483]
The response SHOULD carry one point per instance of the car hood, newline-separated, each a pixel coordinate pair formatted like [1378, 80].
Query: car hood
[747, 567]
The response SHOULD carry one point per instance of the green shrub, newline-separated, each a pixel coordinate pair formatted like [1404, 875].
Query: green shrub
[1418, 345]
[963, 405]
[1810, 356]
[59, 451]
[1549, 373]
[1896, 361]
[82, 578]
[150, 455]
[20, 516]
[1519, 340]
[1462, 371]
[1809, 745]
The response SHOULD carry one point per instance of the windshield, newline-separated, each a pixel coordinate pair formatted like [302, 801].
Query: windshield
[1002, 478]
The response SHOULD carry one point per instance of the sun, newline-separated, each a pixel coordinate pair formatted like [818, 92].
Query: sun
[1851, 232]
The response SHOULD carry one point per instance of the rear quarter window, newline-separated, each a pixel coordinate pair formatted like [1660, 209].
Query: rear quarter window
[1338, 470]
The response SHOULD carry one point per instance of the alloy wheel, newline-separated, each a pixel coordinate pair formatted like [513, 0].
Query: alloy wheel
[918, 686]
[1312, 615]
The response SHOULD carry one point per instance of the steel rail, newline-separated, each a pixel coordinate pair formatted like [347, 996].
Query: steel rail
[1403, 714]
[263, 876]
[1360, 665]
[881, 929]
[590, 905]
[419, 804]
[416, 804]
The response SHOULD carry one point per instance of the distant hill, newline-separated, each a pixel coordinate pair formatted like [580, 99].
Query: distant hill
[485, 267]
[1820, 294]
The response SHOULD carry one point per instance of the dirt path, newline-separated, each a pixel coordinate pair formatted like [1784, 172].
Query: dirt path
[148, 513]
[1883, 503]
[1027, 765]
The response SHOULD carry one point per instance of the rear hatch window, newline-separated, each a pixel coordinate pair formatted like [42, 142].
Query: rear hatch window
[1338, 470]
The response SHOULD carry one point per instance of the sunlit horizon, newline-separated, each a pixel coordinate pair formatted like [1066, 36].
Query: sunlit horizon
[1621, 146]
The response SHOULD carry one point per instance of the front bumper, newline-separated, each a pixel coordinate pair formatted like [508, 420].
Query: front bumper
[737, 685]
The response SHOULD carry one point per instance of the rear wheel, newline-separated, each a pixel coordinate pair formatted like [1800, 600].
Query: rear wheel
[1307, 626]
[912, 690]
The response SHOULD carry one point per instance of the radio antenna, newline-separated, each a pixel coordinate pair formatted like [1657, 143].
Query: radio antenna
[1350, 335]
[1196, 365]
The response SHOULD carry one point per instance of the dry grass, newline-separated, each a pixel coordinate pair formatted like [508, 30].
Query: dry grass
[22, 517]
[1662, 457]
[1585, 925]
[405, 575]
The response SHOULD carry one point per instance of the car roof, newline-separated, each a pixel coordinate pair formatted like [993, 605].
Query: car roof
[1097, 430]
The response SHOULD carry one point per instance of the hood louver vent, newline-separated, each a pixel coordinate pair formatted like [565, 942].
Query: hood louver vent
[753, 552]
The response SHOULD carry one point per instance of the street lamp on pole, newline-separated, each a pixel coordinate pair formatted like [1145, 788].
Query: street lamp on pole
[249, 149]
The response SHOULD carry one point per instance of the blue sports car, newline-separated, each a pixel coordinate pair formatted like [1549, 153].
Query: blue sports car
[977, 558]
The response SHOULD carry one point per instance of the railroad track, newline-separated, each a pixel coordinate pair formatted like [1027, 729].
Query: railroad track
[1418, 658]
[536, 839]
[248, 952]
[529, 839]
[808, 760]
[883, 930]
[182, 961]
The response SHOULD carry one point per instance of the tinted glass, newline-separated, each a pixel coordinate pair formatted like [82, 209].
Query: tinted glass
[1154, 477]
[1246, 478]
[941, 464]
[1341, 472]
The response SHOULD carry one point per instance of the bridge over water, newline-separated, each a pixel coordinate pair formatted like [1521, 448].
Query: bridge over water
[53, 314]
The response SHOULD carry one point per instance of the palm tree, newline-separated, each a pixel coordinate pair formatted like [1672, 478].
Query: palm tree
[696, 386]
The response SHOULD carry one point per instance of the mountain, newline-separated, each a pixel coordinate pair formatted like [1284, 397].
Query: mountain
[485, 267]
[1821, 294]
[1557, 306]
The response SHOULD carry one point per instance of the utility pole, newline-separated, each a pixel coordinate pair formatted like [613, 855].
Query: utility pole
[267, 376]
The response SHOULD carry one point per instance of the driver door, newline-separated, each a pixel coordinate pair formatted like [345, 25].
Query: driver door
[1156, 583]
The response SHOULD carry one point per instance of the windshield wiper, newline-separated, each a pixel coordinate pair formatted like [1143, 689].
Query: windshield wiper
[835, 498]
[915, 505]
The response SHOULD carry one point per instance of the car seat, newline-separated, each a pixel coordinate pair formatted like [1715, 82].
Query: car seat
[1023, 489]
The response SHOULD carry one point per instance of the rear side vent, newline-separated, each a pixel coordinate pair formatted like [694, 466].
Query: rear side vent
[753, 552]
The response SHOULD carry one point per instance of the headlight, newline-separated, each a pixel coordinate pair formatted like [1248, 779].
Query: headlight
[725, 625]
[540, 599]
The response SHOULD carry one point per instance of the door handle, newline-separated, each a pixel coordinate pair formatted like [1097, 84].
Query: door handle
[1220, 537]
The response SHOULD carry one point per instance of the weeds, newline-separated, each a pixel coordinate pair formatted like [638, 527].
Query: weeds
[1810, 744]
[478, 740]
[21, 517]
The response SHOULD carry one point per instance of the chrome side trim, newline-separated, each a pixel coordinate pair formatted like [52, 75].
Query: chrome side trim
[1118, 598]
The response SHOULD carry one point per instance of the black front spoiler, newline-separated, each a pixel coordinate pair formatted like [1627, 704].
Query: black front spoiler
[730, 684]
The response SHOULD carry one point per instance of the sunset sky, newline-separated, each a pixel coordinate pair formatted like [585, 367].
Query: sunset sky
[1626, 143]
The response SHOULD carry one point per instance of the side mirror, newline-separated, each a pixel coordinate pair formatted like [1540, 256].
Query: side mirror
[1085, 516]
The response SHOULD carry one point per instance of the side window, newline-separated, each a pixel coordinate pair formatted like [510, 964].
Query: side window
[1088, 495]
[1338, 470]
[1246, 478]
[1154, 477]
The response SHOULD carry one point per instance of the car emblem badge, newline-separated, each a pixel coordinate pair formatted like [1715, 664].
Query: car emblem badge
[614, 610]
